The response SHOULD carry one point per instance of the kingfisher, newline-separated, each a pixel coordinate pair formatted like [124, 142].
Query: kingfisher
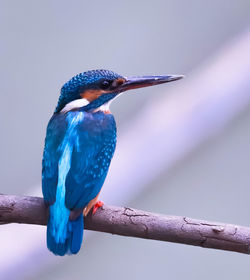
[79, 145]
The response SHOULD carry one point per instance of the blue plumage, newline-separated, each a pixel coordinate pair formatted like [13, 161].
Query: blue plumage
[71, 242]
[78, 155]
[79, 145]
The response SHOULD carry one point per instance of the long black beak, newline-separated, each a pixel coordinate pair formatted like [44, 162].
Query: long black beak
[146, 81]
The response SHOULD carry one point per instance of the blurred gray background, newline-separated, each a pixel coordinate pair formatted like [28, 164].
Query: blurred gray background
[45, 43]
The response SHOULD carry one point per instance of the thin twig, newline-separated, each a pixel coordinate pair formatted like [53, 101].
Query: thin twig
[135, 223]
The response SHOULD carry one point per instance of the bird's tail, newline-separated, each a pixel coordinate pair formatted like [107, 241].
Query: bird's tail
[63, 235]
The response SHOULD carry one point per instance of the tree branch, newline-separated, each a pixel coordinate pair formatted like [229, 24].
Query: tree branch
[136, 223]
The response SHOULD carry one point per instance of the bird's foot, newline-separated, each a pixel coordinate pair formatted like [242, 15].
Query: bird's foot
[96, 206]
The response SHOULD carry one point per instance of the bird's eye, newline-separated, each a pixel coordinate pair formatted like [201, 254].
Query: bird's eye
[105, 84]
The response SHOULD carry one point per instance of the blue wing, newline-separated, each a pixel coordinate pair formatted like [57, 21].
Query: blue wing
[55, 133]
[92, 140]
[90, 160]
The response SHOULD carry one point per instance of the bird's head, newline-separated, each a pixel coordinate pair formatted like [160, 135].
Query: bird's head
[92, 89]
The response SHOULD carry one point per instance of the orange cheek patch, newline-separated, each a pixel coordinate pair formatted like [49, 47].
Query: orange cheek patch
[92, 94]
[118, 82]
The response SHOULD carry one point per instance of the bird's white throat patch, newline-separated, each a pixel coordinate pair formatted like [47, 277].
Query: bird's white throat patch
[78, 103]
[104, 108]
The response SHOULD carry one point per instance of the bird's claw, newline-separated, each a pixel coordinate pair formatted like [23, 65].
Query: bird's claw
[96, 206]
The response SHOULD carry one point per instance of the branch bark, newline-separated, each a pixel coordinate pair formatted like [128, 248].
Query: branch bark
[135, 223]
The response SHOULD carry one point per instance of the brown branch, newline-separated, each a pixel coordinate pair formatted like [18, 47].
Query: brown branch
[136, 223]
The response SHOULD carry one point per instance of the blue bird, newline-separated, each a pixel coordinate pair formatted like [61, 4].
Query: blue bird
[79, 145]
